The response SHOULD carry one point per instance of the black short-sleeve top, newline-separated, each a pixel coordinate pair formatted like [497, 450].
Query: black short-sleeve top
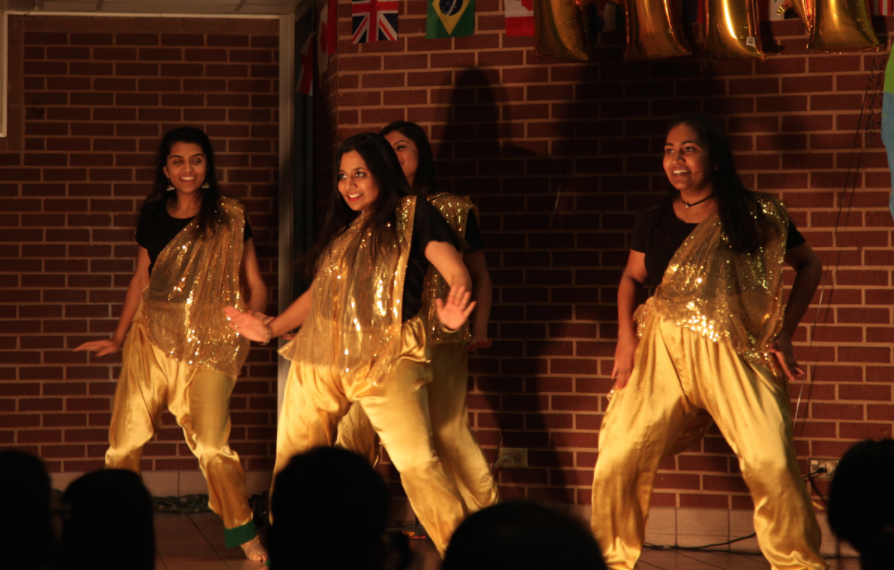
[473, 234]
[428, 226]
[670, 233]
[156, 228]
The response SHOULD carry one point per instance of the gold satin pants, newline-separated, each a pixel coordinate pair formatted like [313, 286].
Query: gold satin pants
[316, 398]
[680, 378]
[199, 398]
[454, 442]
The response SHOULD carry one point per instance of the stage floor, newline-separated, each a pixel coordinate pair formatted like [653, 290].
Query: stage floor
[196, 542]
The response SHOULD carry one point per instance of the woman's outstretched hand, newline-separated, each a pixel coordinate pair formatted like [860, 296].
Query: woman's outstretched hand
[781, 348]
[101, 347]
[455, 310]
[250, 325]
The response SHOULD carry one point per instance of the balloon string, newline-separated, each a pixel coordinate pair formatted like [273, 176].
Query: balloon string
[869, 97]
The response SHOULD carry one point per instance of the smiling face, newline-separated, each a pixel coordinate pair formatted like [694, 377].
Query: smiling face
[407, 153]
[686, 161]
[355, 183]
[186, 167]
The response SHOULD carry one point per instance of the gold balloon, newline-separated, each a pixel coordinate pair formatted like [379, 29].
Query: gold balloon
[653, 30]
[842, 25]
[559, 30]
[804, 9]
[733, 30]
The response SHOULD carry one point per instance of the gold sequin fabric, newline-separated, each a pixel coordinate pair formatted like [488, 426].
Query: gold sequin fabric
[724, 295]
[456, 211]
[354, 324]
[193, 280]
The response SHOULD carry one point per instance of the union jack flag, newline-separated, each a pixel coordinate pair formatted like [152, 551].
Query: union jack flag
[374, 20]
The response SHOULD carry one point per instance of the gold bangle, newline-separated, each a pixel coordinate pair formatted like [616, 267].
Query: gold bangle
[449, 331]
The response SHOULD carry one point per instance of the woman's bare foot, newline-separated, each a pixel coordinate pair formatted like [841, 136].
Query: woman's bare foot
[254, 550]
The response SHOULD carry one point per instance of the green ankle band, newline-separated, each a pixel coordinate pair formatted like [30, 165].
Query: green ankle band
[240, 535]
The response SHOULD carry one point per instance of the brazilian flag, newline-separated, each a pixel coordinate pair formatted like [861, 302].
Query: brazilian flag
[450, 18]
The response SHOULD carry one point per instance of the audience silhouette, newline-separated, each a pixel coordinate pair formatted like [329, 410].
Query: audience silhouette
[861, 502]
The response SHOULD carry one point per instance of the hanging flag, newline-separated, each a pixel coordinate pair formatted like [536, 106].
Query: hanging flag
[374, 21]
[306, 75]
[450, 18]
[881, 7]
[324, 31]
[332, 27]
[519, 17]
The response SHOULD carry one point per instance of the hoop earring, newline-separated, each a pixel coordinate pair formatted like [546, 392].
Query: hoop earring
[205, 186]
[170, 186]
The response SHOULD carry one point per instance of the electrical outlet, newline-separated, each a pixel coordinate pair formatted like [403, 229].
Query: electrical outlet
[513, 457]
[829, 464]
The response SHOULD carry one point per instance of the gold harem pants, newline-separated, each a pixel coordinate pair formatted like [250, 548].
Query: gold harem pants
[315, 399]
[199, 398]
[454, 442]
[680, 377]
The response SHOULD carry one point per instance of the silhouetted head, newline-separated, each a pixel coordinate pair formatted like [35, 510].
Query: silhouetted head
[330, 510]
[109, 524]
[861, 502]
[522, 535]
[25, 511]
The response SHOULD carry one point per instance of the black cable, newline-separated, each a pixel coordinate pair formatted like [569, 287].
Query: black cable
[809, 477]
[869, 96]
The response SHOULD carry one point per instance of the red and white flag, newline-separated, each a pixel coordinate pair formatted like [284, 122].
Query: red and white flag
[306, 75]
[881, 7]
[324, 42]
[519, 17]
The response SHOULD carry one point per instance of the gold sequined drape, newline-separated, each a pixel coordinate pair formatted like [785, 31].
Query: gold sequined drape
[456, 211]
[724, 295]
[194, 279]
[355, 319]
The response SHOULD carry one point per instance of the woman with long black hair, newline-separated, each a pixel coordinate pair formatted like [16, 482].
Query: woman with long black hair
[362, 340]
[712, 343]
[453, 439]
[196, 256]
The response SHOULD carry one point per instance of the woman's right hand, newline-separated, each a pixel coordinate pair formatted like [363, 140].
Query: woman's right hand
[101, 347]
[624, 354]
[247, 324]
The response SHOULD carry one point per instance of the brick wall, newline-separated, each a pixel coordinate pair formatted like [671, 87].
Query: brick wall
[501, 119]
[90, 99]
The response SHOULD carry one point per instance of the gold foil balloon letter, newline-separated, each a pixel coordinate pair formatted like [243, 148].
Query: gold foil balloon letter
[733, 30]
[653, 30]
[842, 25]
[559, 30]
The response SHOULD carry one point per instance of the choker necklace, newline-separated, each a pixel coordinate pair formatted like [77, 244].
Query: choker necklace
[688, 205]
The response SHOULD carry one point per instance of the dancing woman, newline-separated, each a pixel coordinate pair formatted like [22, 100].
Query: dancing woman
[361, 338]
[447, 394]
[708, 345]
[196, 256]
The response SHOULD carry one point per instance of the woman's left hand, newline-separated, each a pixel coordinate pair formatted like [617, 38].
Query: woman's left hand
[455, 310]
[249, 325]
[478, 342]
[781, 348]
